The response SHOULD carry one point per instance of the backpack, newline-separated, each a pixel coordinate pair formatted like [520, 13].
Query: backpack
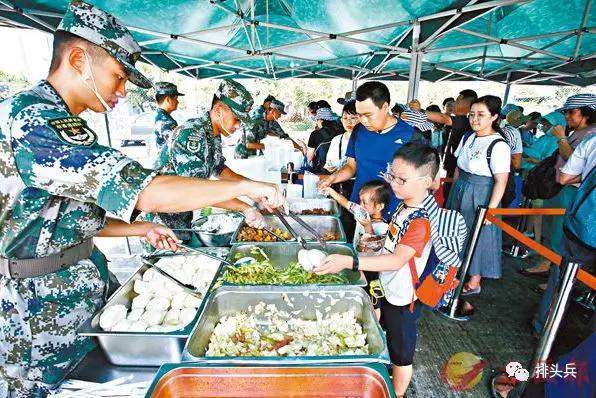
[320, 158]
[436, 284]
[580, 218]
[541, 182]
[509, 194]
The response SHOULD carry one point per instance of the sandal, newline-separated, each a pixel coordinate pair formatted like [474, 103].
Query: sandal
[469, 292]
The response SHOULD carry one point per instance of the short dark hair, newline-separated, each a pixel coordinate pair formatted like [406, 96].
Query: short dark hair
[588, 112]
[64, 40]
[433, 108]
[535, 116]
[469, 94]
[447, 100]
[377, 92]
[397, 109]
[350, 107]
[420, 155]
[312, 106]
[159, 98]
[493, 104]
[323, 104]
[382, 191]
[269, 98]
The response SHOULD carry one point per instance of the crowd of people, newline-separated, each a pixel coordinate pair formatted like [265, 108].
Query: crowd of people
[491, 155]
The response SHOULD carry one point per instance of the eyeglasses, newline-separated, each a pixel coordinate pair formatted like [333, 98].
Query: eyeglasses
[391, 178]
[350, 119]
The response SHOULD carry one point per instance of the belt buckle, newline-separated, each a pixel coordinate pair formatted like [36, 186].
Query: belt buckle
[9, 271]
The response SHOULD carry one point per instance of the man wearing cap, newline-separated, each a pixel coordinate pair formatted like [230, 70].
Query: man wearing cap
[57, 185]
[263, 122]
[194, 150]
[166, 96]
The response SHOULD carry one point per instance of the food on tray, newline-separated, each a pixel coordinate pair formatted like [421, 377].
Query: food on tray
[266, 331]
[262, 272]
[220, 224]
[331, 236]
[250, 234]
[310, 259]
[314, 212]
[197, 271]
[161, 305]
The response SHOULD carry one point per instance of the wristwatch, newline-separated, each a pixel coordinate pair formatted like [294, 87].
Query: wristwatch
[355, 263]
[561, 139]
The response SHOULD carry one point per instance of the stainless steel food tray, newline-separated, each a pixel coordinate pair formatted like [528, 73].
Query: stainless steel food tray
[228, 300]
[138, 348]
[322, 224]
[206, 380]
[281, 255]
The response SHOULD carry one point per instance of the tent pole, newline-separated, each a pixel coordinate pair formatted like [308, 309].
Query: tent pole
[507, 88]
[580, 34]
[107, 121]
[415, 64]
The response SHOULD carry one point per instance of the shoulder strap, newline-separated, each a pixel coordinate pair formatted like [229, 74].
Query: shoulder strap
[489, 152]
[415, 280]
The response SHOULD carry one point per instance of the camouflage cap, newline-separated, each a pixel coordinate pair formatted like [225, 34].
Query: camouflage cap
[166, 88]
[516, 118]
[100, 28]
[237, 97]
[280, 106]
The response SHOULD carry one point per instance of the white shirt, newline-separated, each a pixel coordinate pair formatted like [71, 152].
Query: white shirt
[471, 155]
[513, 138]
[583, 158]
[335, 159]
[398, 286]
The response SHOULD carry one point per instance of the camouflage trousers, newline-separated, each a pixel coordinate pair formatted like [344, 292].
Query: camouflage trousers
[38, 322]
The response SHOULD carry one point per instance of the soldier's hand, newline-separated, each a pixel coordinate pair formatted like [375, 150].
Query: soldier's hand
[254, 218]
[268, 194]
[162, 238]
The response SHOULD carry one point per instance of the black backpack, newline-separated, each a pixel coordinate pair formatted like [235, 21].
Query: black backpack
[541, 182]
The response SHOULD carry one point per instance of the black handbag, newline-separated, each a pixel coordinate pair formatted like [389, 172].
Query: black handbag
[541, 182]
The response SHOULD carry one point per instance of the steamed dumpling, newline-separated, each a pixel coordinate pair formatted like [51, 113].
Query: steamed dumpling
[111, 316]
[158, 304]
[135, 314]
[187, 315]
[152, 317]
[140, 301]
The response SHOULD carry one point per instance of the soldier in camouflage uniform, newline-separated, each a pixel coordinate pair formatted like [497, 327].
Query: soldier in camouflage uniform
[195, 151]
[263, 122]
[56, 186]
[166, 96]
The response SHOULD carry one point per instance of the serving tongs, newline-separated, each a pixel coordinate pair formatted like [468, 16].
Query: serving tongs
[310, 229]
[286, 224]
[202, 253]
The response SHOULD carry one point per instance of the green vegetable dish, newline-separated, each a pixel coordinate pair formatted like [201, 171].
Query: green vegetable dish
[262, 272]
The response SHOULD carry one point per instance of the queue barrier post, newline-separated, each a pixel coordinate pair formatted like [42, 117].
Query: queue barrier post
[558, 307]
[450, 311]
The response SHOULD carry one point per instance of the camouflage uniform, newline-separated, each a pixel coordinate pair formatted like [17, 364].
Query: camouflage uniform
[164, 122]
[194, 151]
[255, 130]
[56, 185]
[164, 126]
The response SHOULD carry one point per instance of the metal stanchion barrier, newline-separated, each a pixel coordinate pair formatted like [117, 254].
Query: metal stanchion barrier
[516, 247]
[553, 322]
[451, 310]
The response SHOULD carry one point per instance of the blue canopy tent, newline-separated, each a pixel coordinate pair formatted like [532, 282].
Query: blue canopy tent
[509, 41]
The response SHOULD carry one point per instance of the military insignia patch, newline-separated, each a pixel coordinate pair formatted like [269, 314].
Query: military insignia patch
[73, 130]
[193, 144]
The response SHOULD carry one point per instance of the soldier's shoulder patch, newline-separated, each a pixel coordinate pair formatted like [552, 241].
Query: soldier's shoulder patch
[73, 130]
[193, 143]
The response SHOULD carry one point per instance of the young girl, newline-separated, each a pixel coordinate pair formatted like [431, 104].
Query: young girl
[371, 228]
